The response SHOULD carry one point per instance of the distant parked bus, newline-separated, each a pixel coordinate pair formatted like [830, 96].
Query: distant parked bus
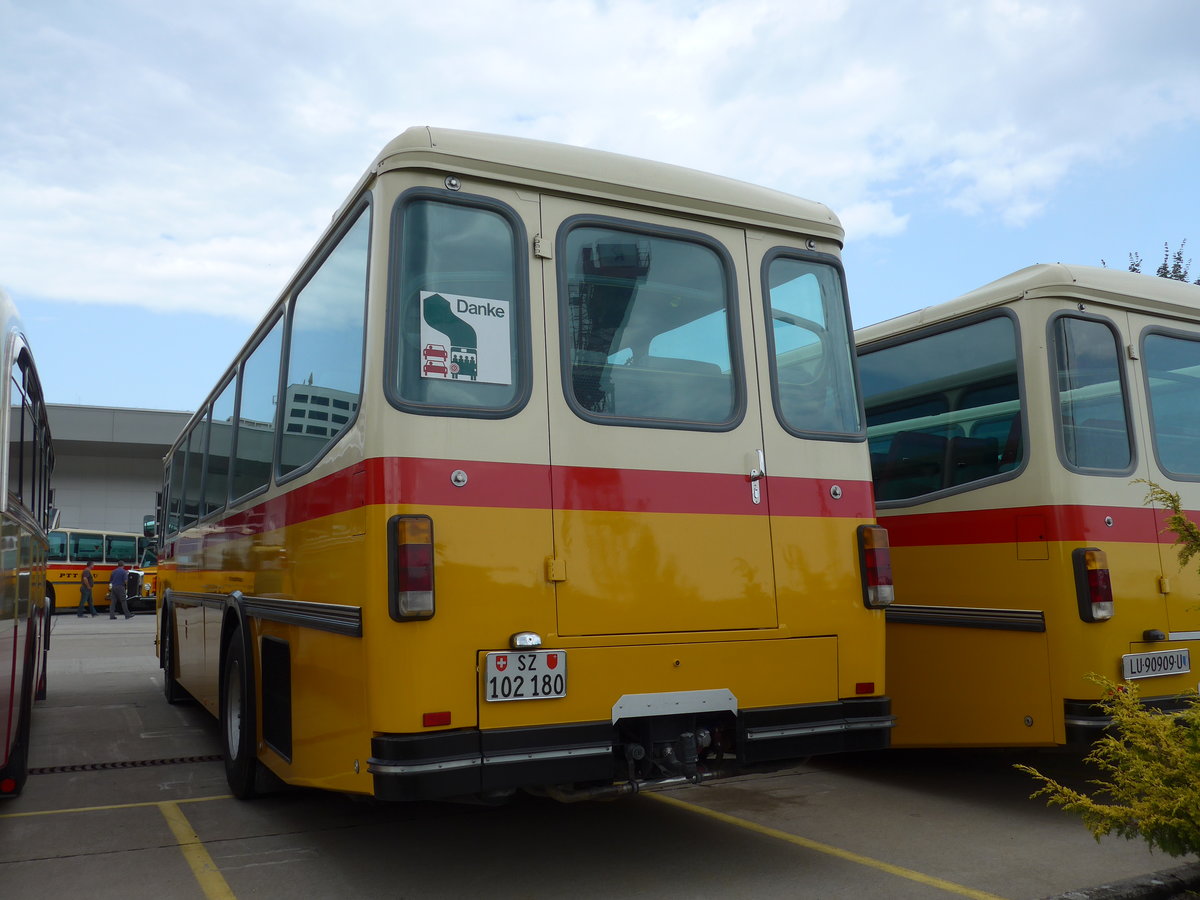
[73, 548]
[25, 517]
[1010, 432]
[547, 471]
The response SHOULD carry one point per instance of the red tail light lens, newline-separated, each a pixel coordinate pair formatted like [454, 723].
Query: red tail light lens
[410, 562]
[1093, 586]
[875, 560]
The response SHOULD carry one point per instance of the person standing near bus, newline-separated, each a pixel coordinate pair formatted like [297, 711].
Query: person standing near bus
[116, 591]
[86, 582]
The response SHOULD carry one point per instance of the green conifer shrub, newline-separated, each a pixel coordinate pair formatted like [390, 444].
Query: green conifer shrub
[1150, 760]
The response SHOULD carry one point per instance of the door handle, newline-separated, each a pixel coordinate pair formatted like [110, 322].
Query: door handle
[758, 470]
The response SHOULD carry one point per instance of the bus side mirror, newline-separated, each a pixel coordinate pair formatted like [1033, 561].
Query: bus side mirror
[149, 526]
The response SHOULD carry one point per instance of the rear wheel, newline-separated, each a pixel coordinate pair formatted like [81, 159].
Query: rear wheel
[237, 719]
[171, 688]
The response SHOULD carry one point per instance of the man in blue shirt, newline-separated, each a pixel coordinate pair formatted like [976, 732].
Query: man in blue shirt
[116, 591]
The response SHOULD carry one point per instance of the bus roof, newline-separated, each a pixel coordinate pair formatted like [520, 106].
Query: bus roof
[580, 170]
[1085, 284]
[561, 167]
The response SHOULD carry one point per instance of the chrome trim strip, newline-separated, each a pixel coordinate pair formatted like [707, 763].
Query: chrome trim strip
[1088, 721]
[537, 755]
[1184, 636]
[968, 617]
[377, 767]
[330, 617]
[871, 724]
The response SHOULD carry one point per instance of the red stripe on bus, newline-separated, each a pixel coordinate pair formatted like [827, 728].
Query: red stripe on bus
[432, 482]
[1078, 524]
[638, 490]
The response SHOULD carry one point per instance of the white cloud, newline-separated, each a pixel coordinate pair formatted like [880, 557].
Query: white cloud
[872, 219]
[187, 156]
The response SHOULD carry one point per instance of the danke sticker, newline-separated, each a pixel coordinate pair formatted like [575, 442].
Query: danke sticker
[465, 338]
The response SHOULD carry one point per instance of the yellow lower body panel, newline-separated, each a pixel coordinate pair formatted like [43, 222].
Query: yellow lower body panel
[969, 687]
[757, 673]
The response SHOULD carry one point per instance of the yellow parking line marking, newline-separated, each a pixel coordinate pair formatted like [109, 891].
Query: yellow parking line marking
[212, 882]
[207, 874]
[83, 809]
[808, 844]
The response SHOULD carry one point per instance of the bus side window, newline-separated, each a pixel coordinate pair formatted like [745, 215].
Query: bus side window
[193, 478]
[21, 436]
[914, 465]
[173, 488]
[258, 386]
[120, 547]
[971, 458]
[220, 443]
[58, 546]
[943, 409]
[325, 348]
[86, 547]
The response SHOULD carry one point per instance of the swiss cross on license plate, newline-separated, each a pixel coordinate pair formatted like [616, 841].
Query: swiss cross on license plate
[527, 675]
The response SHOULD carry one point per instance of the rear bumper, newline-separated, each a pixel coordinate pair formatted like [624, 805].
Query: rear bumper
[471, 761]
[1085, 721]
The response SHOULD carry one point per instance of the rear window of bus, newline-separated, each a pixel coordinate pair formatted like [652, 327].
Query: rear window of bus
[457, 314]
[648, 332]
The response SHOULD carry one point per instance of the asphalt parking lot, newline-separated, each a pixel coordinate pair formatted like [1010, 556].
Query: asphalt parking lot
[127, 799]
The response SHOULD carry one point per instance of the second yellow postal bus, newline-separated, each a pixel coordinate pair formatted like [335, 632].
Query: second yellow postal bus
[73, 548]
[547, 471]
[1012, 432]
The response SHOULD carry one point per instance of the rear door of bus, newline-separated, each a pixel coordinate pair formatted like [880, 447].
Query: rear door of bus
[660, 511]
[1169, 354]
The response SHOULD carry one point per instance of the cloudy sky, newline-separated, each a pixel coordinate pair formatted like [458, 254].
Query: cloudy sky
[165, 166]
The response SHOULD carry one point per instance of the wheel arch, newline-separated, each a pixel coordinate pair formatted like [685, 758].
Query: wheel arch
[235, 622]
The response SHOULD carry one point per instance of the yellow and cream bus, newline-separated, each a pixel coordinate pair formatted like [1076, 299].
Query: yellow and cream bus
[546, 471]
[71, 549]
[1011, 432]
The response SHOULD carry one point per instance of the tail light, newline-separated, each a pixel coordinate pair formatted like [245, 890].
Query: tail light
[875, 560]
[410, 567]
[1093, 588]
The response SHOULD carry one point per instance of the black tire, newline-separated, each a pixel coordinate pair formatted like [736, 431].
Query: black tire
[171, 688]
[18, 760]
[238, 739]
[43, 647]
[15, 772]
